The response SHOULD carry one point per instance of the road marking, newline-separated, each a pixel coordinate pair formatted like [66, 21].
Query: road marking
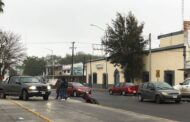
[46, 119]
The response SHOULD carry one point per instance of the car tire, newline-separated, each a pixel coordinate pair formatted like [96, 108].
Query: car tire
[3, 95]
[123, 93]
[45, 97]
[110, 92]
[25, 95]
[74, 94]
[140, 98]
[157, 99]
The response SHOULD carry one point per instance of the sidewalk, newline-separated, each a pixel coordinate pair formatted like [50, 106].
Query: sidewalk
[9, 112]
[76, 111]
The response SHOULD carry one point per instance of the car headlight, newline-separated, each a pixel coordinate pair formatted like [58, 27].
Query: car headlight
[164, 93]
[32, 87]
[49, 87]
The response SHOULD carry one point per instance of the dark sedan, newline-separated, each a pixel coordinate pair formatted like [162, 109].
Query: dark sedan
[158, 92]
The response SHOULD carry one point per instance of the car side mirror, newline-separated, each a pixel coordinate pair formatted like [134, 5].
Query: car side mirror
[180, 83]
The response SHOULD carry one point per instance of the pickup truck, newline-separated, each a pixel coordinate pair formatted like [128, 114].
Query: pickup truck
[24, 87]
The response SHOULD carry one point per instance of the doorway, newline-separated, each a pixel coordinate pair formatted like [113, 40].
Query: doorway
[104, 81]
[169, 77]
[116, 77]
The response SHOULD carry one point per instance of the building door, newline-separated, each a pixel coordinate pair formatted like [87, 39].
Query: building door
[104, 82]
[89, 80]
[169, 77]
[145, 77]
[94, 78]
[116, 77]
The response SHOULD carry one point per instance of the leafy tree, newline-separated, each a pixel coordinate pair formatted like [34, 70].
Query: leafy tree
[1, 6]
[124, 43]
[78, 57]
[34, 66]
[11, 51]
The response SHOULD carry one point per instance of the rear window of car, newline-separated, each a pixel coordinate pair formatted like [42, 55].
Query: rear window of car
[77, 84]
[129, 84]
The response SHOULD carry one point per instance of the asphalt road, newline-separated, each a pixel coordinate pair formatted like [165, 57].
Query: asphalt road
[173, 111]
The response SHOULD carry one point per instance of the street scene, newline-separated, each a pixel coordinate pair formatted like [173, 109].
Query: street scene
[94, 61]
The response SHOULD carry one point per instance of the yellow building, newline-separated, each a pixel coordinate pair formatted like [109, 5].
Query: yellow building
[170, 62]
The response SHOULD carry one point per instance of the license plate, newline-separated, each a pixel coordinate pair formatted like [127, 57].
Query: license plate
[43, 92]
[174, 96]
[134, 91]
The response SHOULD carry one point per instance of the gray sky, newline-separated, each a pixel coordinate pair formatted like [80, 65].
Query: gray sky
[47, 24]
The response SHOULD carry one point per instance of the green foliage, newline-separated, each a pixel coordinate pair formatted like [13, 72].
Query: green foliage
[12, 72]
[34, 66]
[79, 57]
[124, 43]
[1, 6]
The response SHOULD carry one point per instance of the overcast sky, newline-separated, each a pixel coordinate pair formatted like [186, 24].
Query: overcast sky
[54, 24]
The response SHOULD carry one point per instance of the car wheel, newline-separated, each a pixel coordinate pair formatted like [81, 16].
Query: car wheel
[123, 93]
[25, 95]
[3, 95]
[140, 98]
[45, 97]
[177, 101]
[158, 100]
[74, 94]
[110, 92]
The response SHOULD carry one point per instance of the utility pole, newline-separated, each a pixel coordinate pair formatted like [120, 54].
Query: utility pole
[150, 60]
[73, 47]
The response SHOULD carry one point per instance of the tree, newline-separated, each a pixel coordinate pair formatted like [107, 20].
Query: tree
[79, 57]
[34, 66]
[1, 6]
[11, 51]
[124, 43]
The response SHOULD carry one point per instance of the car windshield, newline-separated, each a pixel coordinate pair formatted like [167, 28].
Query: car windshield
[163, 85]
[77, 84]
[29, 80]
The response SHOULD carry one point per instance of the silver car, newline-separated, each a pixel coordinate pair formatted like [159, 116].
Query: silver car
[184, 88]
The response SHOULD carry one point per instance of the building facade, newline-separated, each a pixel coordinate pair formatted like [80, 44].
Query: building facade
[170, 62]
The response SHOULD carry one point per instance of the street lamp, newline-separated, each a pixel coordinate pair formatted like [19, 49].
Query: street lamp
[52, 61]
[105, 53]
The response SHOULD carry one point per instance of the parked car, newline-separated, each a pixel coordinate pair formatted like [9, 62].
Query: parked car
[184, 88]
[158, 92]
[24, 87]
[77, 89]
[124, 89]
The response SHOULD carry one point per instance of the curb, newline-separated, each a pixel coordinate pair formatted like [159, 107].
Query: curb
[46, 119]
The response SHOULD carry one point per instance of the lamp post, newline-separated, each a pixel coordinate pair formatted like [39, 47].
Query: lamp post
[52, 61]
[100, 28]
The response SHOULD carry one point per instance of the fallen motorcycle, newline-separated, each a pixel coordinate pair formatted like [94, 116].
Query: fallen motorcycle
[89, 98]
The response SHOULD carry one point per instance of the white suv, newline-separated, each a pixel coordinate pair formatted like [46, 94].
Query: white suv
[184, 88]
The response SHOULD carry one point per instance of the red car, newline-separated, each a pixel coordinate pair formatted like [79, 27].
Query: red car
[77, 89]
[124, 89]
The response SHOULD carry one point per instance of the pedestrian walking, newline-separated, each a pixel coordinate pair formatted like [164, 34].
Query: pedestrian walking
[57, 86]
[63, 89]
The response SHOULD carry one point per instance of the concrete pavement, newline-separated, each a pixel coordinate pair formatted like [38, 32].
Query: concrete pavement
[68, 111]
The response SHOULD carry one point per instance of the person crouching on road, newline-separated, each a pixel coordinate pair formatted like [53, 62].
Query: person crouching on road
[63, 89]
[58, 85]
